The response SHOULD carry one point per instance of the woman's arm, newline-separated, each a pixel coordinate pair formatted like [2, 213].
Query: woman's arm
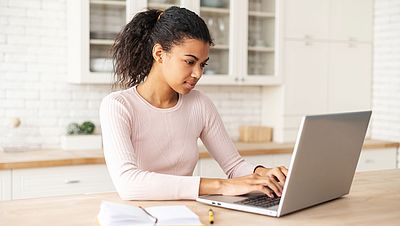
[243, 176]
[268, 181]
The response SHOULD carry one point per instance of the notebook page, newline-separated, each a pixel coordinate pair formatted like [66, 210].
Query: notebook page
[114, 214]
[179, 214]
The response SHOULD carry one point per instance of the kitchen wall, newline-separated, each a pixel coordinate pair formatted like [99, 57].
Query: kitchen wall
[386, 79]
[33, 55]
[33, 68]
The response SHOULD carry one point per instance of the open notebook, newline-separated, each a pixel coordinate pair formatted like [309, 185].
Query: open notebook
[115, 214]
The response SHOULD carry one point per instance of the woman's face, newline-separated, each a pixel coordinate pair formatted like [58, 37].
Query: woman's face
[183, 65]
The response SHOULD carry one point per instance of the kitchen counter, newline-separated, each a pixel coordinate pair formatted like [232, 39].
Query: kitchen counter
[373, 200]
[57, 157]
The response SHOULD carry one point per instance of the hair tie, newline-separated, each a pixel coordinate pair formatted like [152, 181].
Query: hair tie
[160, 16]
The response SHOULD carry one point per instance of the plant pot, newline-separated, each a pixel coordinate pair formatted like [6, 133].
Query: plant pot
[81, 142]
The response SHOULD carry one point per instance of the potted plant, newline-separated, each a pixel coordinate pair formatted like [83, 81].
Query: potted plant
[81, 137]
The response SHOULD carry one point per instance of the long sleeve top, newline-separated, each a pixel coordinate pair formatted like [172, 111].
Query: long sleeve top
[151, 152]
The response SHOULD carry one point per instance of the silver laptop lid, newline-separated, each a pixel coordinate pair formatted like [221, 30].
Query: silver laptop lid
[324, 159]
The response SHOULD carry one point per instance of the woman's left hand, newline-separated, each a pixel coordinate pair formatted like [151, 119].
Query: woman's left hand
[277, 174]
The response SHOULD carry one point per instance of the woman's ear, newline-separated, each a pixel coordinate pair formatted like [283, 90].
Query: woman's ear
[158, 53]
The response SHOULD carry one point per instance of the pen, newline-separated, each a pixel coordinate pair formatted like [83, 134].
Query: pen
[211, 216]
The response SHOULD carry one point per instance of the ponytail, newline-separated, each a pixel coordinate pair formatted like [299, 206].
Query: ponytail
[132, 49]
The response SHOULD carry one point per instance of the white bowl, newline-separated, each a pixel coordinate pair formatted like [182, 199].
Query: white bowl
[101, 65]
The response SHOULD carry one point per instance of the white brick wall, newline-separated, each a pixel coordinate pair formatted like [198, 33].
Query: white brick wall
[33, 67]
[386, 74]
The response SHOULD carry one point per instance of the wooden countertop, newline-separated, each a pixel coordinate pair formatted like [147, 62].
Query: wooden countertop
[373, 200]
[53, 157]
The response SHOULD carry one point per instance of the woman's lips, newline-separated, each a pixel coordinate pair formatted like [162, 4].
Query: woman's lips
[190, 85]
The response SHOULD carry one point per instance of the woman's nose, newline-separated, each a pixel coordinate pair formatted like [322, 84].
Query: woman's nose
[197, 72]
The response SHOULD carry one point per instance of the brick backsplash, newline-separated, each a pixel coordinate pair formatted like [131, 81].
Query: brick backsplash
[33, 56]
[386, 71]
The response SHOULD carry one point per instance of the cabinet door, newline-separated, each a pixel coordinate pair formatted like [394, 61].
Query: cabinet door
[260, 43]
[5, 185]
[307, 19]
[350, 77]
[209, 168]
[378, 159]
[351, 20]
[219, 17]
[306, 83]
[66, 180]
[270, 161]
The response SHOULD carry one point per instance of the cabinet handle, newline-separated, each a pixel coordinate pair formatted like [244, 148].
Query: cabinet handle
[67, 181]
[242, 79]
[236, 79]
[352, 43]
[307, 40]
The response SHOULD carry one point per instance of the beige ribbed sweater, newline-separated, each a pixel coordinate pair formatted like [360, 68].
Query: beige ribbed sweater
[151, 152]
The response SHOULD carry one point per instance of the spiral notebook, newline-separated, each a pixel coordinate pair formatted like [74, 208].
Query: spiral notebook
[116, 214]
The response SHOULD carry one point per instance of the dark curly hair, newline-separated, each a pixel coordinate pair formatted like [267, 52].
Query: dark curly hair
[132, 49]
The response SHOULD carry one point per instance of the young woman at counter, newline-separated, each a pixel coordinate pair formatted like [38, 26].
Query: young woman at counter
[150, 129]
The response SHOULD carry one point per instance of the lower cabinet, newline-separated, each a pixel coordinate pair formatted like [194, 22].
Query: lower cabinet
[370, 159]
[5, 185]
[54, 181]
[377, 159]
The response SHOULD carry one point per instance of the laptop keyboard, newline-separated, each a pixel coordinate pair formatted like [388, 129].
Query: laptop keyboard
[260, 201]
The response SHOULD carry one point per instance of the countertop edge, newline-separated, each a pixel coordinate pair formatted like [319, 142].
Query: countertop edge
[70, 158]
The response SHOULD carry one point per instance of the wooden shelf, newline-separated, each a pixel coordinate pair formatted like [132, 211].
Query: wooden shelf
[214, 10]
[101, 41]
[262, 14]
[261, 49]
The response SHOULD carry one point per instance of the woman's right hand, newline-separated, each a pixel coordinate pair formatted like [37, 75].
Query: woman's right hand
[241, 185]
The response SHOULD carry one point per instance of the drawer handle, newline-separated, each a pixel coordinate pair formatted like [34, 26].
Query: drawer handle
[369, 161]
[67, 181]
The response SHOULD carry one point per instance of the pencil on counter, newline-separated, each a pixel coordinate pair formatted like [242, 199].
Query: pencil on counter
[211, 216]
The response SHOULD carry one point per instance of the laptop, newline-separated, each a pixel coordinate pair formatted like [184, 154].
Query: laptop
[322, 166]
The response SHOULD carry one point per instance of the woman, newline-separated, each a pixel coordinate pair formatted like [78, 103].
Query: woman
[150, 129]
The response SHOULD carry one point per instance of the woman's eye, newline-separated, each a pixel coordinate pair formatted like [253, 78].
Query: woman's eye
[190, 62]
[203, 65]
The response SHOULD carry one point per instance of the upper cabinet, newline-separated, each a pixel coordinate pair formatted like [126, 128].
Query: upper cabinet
[339, 20]
[245, 34]
[92, 27]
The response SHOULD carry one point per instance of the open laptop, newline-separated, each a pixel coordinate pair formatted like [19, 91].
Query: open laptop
[322, 166]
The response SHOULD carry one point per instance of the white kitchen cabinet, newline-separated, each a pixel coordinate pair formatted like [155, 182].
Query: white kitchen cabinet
[92, 25]
[326, 63]
[307, 19]
[246, 50]
[306, 77]
[351, 20]
[340, 20]
[350, 77]
[377, 159]
[5, 185]
[65, 180]
[238, 58]
[209, 168]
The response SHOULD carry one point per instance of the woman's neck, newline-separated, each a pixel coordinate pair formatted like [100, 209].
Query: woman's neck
[158, 94]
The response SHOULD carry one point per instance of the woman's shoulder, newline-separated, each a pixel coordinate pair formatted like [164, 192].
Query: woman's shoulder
[197, 95]
[120, 96]
[199, 98]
